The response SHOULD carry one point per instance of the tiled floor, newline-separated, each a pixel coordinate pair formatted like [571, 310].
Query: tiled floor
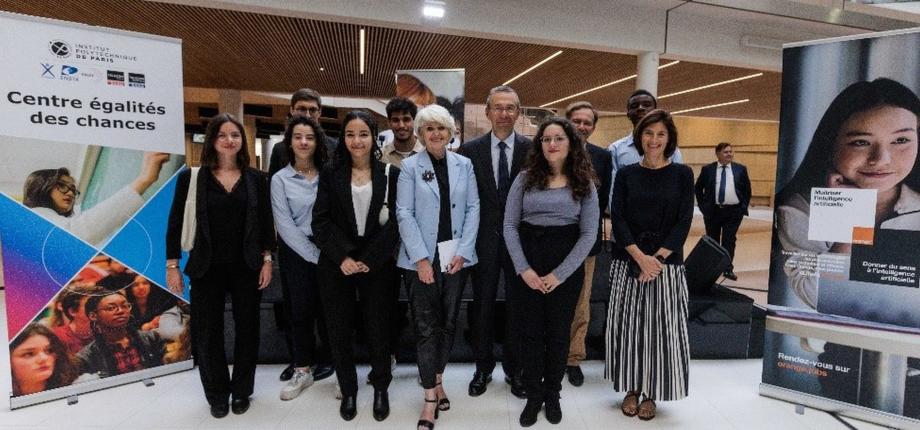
[723, 395]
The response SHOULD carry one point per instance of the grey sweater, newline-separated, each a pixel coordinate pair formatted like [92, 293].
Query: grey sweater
[550, 207]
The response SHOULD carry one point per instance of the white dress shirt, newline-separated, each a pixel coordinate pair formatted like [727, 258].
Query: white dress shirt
[731, 197]
[509, 153]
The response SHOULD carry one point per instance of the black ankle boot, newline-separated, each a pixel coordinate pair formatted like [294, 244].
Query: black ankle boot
[552, 409]
[531, 409]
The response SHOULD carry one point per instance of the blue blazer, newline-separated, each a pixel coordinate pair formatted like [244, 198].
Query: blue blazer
[418, 206]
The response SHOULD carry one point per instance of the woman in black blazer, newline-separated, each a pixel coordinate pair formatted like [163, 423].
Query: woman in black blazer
[231, 254]
[357, 236]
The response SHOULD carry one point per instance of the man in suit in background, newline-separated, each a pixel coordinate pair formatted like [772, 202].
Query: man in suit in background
[497, 158]
[723, 193]
[584, 116]
[304, 102]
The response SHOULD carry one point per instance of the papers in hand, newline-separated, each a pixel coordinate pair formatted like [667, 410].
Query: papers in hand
[446, 252]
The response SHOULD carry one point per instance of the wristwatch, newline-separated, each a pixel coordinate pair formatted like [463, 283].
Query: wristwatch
[267, 258]
[172, 266]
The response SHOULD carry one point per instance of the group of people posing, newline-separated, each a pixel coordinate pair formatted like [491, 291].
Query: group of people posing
[356, 222]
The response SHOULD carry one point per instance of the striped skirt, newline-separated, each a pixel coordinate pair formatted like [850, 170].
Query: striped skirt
[647, 345]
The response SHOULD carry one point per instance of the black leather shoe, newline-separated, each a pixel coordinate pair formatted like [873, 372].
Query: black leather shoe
[322, 371]
[381, 405]
[576, 378]
[287, 373]
[220, 411]
[479, 382]
[349, 407]
[529, 415]
[239, 406]
[517, 386]
[552, 409]
[730, 275]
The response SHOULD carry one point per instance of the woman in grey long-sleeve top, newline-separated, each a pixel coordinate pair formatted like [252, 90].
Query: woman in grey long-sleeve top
[551, 220]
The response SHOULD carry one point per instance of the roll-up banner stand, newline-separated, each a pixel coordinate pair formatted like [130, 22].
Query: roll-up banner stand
[92, 136]
[843, 324]
[444, 87]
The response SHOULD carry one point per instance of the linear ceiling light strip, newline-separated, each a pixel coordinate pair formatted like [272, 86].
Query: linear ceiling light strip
[621, 80]
[532, 67]
[710, 106]
[755, 75]
[361, 49]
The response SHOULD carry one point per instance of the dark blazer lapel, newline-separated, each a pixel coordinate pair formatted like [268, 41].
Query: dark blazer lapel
[520, 153]
[201, 206]
[379, 186]
[343, 183]
[252, 199]
[485, 157]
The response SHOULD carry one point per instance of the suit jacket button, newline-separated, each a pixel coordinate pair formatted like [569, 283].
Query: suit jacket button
[453, 205]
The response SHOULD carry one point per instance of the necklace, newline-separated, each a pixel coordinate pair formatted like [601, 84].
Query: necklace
[305, 172]
[648, 165]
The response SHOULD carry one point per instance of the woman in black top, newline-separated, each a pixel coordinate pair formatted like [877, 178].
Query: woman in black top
[232, 253]
[357, 236]
[651, 209]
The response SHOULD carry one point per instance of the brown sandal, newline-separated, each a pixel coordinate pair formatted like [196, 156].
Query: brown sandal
[647, 413]
[630, 409]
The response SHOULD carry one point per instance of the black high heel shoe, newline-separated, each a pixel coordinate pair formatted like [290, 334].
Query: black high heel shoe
[425, 423]
[443, 404]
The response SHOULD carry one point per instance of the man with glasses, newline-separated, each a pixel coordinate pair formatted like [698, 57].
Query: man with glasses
[497, 158]
[304, 102]
[584, 116]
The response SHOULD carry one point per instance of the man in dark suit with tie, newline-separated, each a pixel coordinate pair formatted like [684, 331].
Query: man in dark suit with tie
[723, 192]
[497, 158]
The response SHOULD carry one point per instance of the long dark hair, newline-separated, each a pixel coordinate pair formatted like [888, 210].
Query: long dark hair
[319, 153]
[577, 167]
[342, 158]
[36, 192]
[65, 367]
[858, 97]
[209, 153]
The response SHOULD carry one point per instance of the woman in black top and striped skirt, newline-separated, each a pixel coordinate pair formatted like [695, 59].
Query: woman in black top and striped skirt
[651, 208]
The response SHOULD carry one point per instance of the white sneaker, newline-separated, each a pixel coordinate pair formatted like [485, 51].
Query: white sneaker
[337, 391]
[299, 382]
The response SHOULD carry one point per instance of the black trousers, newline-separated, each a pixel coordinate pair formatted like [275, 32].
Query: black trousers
[434, 313]
[377, 297]
[208, 295]
[546, 319]
[722, 225]
[302, 309]
[485, 280]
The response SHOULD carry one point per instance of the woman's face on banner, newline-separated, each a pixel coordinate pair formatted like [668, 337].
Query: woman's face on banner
[303, 141]
[113, 311]
[358, 139]
[63, 194]
[141, 287]
[877, 148]
[229, 140]
[32, 362]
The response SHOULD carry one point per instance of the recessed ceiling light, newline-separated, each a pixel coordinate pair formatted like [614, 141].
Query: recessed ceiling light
[710, 106]
[433, 9]
[322, 69]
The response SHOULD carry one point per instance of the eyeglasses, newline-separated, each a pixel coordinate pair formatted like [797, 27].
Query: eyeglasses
[511, 110]
[113, 308]
[550, 139]
[311, 111]
[65, 188]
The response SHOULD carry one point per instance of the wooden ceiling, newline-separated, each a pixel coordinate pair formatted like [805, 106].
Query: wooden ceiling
[251, 51]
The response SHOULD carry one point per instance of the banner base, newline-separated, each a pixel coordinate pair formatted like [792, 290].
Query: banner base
[845, 409]
[72, 391]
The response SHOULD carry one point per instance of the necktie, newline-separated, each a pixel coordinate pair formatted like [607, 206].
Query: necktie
[504, 179]
[722, 186]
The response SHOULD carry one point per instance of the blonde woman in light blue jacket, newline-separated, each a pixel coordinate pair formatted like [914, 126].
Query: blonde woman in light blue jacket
[437, 207]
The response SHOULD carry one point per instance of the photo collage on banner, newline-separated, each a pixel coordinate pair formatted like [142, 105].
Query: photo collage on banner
[92, 137]
[427, 87]
[845, 270]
